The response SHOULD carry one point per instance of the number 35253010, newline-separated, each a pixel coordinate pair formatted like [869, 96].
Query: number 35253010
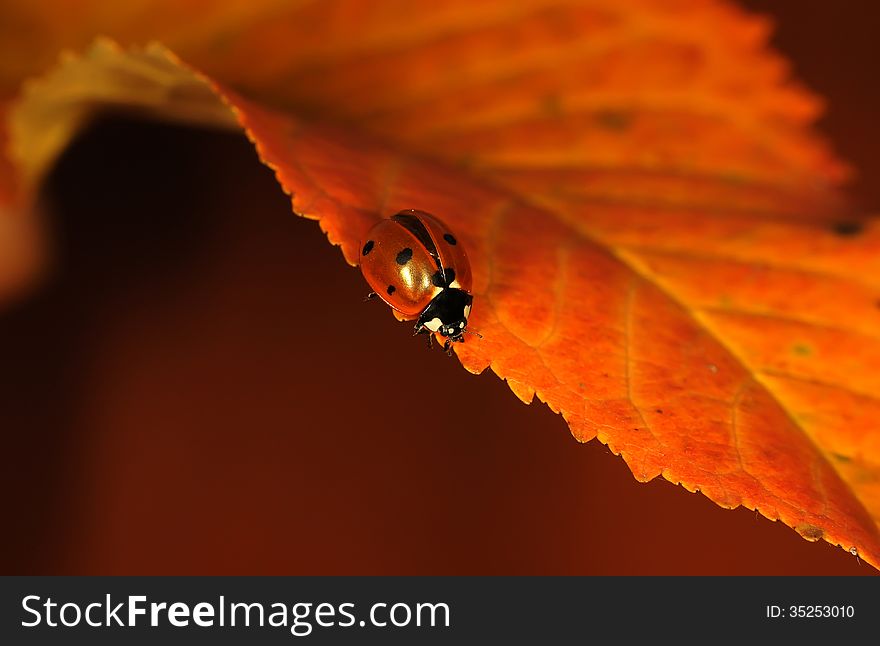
[807, 612]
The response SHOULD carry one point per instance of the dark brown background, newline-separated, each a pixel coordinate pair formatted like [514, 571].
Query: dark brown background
[200, 389]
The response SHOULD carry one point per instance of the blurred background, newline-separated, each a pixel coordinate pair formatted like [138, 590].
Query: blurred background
[199, 388]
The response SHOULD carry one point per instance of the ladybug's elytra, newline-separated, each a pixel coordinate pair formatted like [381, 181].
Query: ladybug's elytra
[414, 263]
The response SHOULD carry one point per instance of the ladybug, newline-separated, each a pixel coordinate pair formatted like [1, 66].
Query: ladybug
[414, 263]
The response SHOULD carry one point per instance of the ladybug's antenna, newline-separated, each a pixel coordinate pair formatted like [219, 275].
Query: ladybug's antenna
[477, 334]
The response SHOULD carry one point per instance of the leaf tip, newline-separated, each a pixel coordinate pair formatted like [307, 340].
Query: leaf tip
[524, 392]
[810, 532]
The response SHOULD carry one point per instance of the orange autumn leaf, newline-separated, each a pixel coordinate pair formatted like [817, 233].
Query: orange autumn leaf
[653, 227]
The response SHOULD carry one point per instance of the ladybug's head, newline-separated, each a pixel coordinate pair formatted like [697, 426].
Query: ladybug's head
[453, 330]
[447, 314]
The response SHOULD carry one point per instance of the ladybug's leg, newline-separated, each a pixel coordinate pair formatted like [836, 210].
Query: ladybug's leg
[447, 345]
[421, 329]
[370, 296]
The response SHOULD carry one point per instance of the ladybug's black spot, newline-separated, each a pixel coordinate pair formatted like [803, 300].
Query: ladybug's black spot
[847, 228]
[410, 221]
[368, 247]
[404, 256]
[617, 120]
[450, 239]
[438, 279]
[391, 289]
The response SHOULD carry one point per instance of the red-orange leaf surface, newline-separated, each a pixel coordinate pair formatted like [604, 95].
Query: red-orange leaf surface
[656, 245]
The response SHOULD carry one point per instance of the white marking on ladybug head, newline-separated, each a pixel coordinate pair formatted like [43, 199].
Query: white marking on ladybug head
[434, 324]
